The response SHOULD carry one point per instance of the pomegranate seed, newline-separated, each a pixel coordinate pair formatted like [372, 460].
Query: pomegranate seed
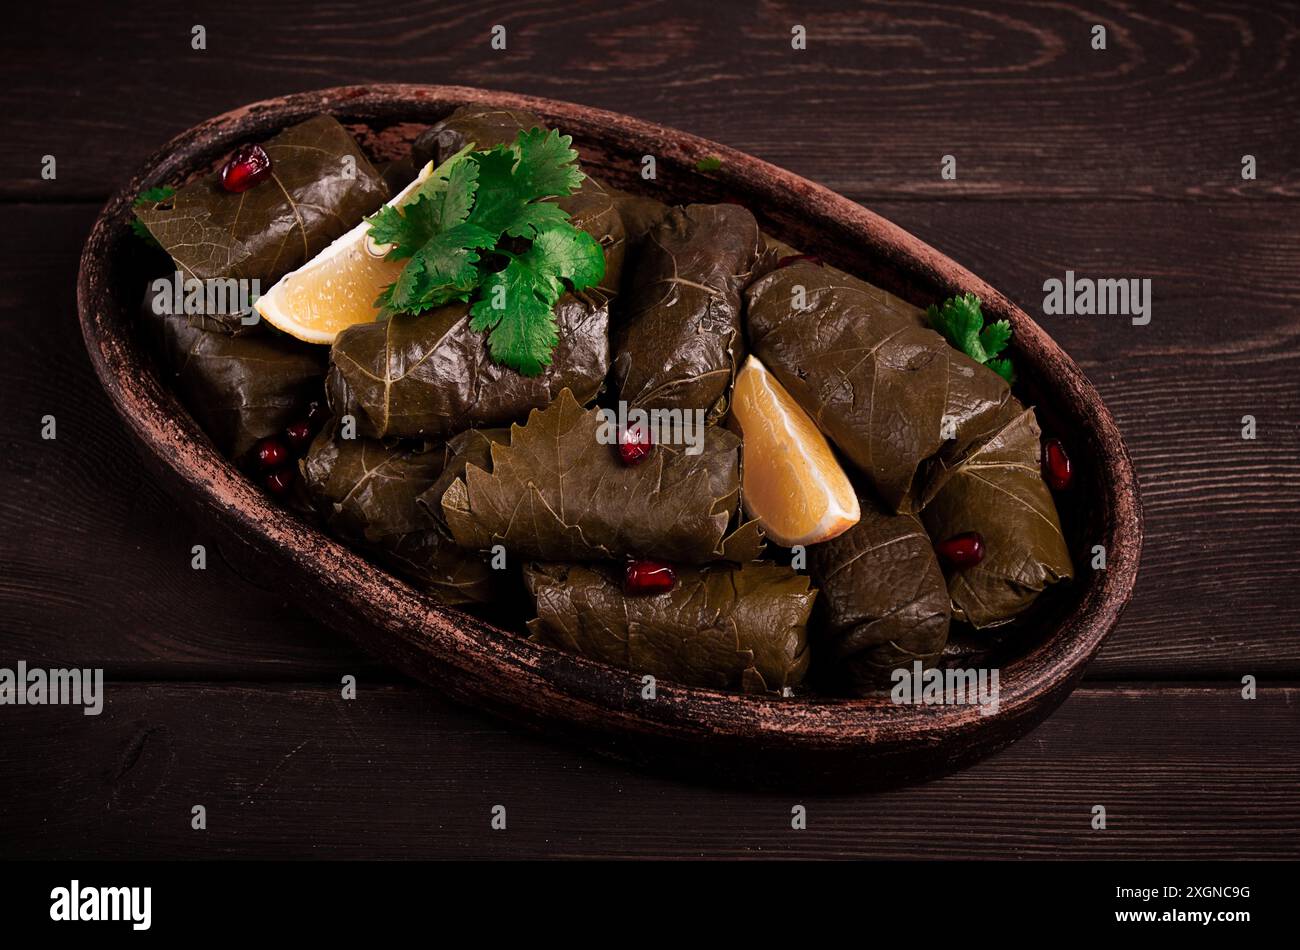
[270, 453]
[280, 481]
[961, 550]
[634, 445]
[1057, 470]
[298, 435]
[796, 258]
[249, 166]
[648, 577]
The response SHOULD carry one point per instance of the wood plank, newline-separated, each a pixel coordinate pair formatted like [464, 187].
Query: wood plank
[296, 771]
[111, 585]
[881, 93]
[96, 558]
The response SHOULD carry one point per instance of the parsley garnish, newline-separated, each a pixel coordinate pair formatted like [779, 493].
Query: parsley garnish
[150, 196]
[478, 210]
[710, 164]
[962, 324]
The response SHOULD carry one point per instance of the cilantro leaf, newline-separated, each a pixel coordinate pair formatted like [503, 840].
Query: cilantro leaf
[518, 304]
[494, 200]
[153, 196]
[439, 204]
[442, 269]
[1003, 368]
[961, 322]
[547, 165]
[513, 178]
[995, 337]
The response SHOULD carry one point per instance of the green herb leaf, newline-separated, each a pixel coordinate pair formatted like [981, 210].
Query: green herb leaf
[153, 196]
[1003, 368]
[961, 322]
[710, 164]
[494, 199]
[432, 210]
[518, 303]
[513, 178]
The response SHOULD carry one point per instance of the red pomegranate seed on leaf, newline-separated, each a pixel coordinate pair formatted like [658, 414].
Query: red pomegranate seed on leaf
[648, 577]
[280, 481]
[634, 445]
[961, 550]
[298, 435]
[1057, 471]
[270, 453]
[249, 166]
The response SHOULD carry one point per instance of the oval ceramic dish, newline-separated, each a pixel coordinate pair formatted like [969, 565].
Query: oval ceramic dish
[826, 743]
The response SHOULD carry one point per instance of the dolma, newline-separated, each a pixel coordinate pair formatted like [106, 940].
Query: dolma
[241, 389]
[722, 626]
[887, 390]
[482, 126]
[640, 216]
[776, 253]
[680, 342]
[321, 185]
[996, 489]
[558, 492]
[883, 601]
[367, 494]
[430, 375]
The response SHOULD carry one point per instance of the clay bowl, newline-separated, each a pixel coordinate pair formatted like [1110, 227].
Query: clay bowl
[802, 743]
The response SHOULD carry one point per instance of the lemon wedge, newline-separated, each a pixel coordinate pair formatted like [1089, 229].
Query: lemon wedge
[792, 483]
[336, 288]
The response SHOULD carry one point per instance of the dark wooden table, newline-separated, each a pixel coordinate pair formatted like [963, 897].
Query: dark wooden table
[1117, 163]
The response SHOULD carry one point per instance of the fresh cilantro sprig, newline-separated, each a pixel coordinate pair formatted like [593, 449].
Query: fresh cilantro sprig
[150, 196]
[481, 229]
[962, 323]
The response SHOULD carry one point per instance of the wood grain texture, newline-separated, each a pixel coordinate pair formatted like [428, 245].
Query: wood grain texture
[295, 771]
[99, 571]
[1215, 598]
[882, 92]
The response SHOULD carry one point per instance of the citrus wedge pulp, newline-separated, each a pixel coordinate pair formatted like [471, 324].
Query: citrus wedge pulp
[337, 287]
[792, 483]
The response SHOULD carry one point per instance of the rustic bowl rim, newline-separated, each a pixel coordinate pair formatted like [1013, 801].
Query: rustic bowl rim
[443, 646]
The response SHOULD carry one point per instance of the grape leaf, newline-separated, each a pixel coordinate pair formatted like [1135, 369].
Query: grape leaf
[559, 492]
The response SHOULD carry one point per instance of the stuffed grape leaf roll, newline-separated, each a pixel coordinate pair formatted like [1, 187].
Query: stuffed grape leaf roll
[558, 492]
[883, 601]
[887, 390]
[367, 493]
[431, 375]
[722, 626]
[241, 389]
[481, 126]
[321, 184]
[640, 216]
[996, 489]
[680, 340]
